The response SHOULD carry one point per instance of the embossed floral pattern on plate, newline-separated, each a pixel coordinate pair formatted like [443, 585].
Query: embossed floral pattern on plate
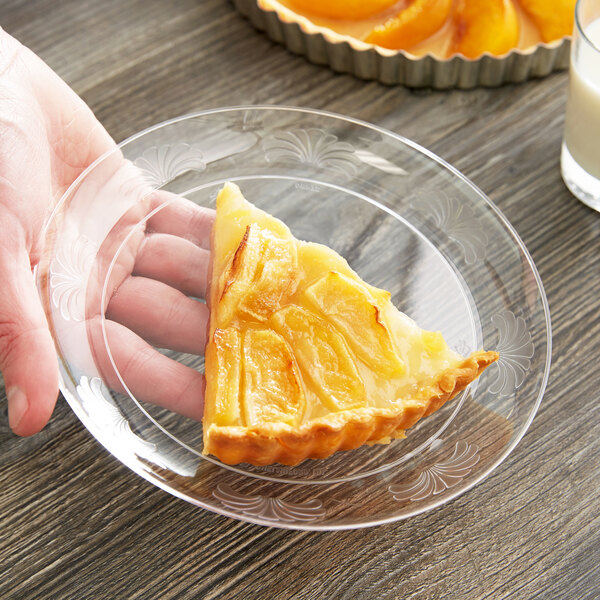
[313, 147]
[516, 350]
[458, 221]
[267, 507]
[68, 277]
[439, 477]
[161, 164]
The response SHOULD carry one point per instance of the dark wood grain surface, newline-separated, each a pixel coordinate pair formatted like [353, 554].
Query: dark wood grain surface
[75, 523]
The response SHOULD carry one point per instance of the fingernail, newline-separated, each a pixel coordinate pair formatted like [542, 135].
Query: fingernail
[17, 406]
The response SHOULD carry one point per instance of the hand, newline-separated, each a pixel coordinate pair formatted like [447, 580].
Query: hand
[48, 136]
[154, 271]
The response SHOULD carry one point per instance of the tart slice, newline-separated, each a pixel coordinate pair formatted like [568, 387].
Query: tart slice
[304, 358]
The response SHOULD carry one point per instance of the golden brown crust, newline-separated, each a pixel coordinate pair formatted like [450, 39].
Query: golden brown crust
[321, 439]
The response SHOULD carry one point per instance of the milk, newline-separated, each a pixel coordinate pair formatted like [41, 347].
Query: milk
[582, 126]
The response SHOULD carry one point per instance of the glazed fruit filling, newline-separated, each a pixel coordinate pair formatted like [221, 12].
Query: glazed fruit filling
[299, 335]
[443, 27]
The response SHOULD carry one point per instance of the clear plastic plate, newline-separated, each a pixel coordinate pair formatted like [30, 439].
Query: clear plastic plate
[404, 219]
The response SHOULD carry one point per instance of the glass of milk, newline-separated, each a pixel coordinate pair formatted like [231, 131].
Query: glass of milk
[580, 157]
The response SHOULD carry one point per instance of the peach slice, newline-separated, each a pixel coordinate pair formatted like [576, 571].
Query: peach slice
[412, 25]
[226, 353]
[357, 315]
[553, 19]
[323, 357]
[485, 26]
[273, 391]
[262, 271]
[342, 9]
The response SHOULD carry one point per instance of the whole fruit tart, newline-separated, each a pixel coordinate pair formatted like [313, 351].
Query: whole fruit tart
[389, 40]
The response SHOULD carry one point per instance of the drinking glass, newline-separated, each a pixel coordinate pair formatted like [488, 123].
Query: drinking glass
[580, 156]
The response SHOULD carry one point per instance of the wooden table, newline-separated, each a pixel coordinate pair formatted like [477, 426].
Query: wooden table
[75, 523]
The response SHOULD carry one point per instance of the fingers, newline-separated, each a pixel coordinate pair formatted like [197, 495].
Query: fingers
[175, 261]
[161, 315]
[182, 218]
[27, 354]
[149, 375]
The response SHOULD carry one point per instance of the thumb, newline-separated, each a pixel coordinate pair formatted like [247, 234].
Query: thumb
[27, 355]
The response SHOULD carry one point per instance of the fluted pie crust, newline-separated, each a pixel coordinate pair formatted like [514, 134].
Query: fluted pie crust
[304, 358]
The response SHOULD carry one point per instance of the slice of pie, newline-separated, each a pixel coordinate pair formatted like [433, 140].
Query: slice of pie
[304, 358]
